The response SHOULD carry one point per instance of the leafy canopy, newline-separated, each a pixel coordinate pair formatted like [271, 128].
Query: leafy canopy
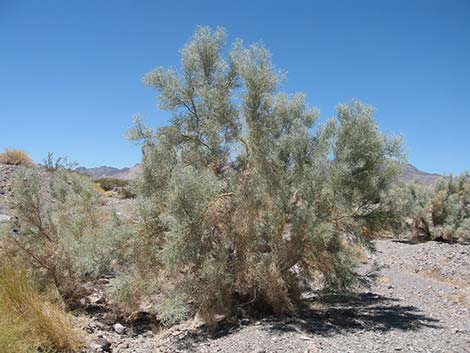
[249, 198]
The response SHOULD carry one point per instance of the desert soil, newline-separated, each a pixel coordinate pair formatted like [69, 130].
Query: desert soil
[420, 303]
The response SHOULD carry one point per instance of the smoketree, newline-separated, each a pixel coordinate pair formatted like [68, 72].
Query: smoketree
[246, 198]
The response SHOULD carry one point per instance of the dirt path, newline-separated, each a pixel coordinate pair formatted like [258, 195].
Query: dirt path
[421, 303]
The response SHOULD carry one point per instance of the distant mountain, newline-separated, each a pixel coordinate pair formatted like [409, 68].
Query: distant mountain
[111, 172]
[411, 173]
[133, 173]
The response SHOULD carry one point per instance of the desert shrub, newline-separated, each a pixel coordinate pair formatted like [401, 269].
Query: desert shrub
[127, 293]
[61, 230]
[171, 310]
[130, 291]
[108, 184]
[51, 163]
[249, 199]
[441, 211]
[126, 193]
[28, 321]
[15, 157]
[123, 187]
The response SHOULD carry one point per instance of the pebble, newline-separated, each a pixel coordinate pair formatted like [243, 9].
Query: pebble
[120, 329]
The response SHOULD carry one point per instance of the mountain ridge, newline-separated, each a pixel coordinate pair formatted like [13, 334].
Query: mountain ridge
[409, 173]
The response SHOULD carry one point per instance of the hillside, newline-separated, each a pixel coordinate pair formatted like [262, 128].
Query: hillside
[111, 172]
[410, 173]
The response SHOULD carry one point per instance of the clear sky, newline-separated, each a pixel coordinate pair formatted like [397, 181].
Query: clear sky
[71, 70]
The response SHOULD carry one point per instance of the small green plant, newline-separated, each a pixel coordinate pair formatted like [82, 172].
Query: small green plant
[15, 157]
[52, 163]
[171, 310]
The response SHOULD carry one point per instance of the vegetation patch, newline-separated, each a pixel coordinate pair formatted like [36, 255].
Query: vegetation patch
[61, 231]
[440, 212]
[108, 184]
[15, 157]
[246, 199]
[28, 321]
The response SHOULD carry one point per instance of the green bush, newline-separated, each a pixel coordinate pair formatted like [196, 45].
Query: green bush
[247, 199]
[440, 212]
[108, 184]
[123, 187]
[171, 310]
[62, 232]
[52, 163]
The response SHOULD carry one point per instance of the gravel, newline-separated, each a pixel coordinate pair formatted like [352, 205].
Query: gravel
[420, 303]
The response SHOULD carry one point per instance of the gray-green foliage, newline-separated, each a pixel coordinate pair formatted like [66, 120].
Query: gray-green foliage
[440, 212]
[62, 231]
[248, 197]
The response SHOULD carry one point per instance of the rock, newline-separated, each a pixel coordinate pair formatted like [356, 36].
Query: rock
[244, 322]
[4, 218]
[123, 345]
[103, 281]
[101, 345]
[96, 298]
[311, 349]
[147, 334]
[120, 329]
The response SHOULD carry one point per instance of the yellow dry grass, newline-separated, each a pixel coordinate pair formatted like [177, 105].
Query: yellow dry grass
[29, 322]
[15, 157]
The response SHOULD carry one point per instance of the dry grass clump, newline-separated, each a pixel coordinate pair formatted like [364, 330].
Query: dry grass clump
[15, 157]
[28, 322]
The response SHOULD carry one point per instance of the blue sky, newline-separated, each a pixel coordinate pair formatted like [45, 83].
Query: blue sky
[71, 70]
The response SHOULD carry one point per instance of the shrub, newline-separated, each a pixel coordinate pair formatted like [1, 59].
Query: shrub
[124, 189]
[108, 184]
[52, 163]
[129, 291]
[28, 322]
[62, 231]
[171, 310]
[15, 157]
[247, 199]
[440, 212]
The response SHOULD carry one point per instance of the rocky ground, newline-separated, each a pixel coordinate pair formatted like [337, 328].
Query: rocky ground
[420, 303]
[7, 175]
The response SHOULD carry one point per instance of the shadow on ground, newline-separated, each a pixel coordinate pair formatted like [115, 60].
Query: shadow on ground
[338, 315]
[365, 311]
